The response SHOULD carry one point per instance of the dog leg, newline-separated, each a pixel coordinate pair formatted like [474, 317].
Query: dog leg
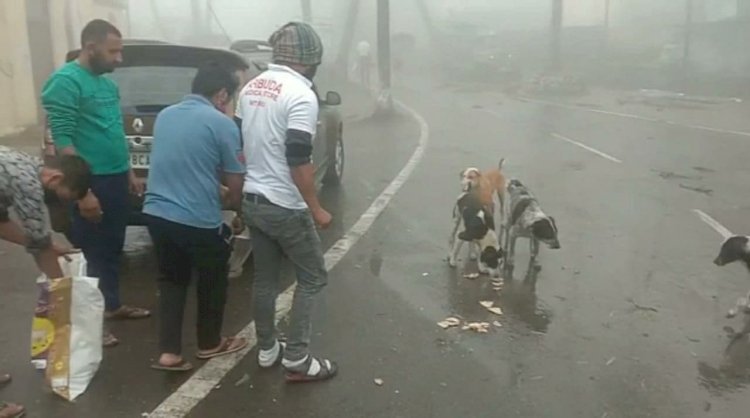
[483, 268]
[457, 244]
[473, 251]
[501, 215]
[511, 253]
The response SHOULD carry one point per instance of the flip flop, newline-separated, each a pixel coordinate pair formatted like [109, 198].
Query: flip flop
[9, 410]
[182, 366]
[127, 312]
[109, 340]
[228, 345]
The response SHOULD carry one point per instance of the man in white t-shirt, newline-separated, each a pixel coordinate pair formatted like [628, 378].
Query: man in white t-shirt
[278, 113]
[364, 62]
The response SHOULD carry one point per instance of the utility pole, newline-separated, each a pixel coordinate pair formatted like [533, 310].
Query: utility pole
[606, 26]
[424, 11]
[556, 36]
[306, 11]
[688, 36]
[347, 38]
[385, 100]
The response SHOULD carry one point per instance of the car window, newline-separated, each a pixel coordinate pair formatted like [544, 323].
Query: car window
[158, 85]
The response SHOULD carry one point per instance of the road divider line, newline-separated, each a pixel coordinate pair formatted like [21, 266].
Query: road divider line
[205, 379]
[713, 223]
[587, 148]
[637, 117]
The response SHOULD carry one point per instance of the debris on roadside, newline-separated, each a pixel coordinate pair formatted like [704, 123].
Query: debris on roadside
[497, 324]
[449, 322]
[638, 307]
[425, 274]
[478, 327]
[379, 381]
[244, 379]
[611, 360]
[489, 305]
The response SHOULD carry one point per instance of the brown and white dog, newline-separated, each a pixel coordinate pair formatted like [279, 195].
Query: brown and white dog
[487, 185]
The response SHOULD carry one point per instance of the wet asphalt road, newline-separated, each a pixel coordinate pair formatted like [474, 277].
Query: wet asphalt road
[626, 319]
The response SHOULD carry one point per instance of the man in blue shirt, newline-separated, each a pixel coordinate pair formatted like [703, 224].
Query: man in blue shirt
[197, 150]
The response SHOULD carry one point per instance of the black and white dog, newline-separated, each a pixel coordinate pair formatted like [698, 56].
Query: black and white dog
[736, 248]
[527, 220]
[478, 230]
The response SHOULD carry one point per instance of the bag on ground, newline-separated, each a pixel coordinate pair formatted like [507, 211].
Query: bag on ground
[66, 333]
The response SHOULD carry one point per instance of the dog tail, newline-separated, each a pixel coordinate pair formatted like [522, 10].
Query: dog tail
[500, 164]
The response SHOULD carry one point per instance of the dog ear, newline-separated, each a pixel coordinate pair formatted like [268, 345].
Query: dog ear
[544, 229]
[554, 224]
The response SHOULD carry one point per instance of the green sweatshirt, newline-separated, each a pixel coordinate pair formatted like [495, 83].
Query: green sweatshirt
[83, 111]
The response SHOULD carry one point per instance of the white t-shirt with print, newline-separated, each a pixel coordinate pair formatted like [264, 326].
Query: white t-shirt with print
[272, 103]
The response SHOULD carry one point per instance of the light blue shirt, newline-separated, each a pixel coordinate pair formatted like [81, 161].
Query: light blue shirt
[193, 145]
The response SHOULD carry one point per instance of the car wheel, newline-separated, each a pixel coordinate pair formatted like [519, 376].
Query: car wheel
[335, 171]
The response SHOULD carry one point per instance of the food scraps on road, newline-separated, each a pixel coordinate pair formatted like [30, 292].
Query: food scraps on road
[489, 305]
[478, 327]
[449, 322]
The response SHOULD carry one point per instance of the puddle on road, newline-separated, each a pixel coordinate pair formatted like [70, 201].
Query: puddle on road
[519, 300]
[732, 374]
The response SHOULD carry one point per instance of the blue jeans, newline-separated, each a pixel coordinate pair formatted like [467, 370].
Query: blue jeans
[276, 232]
[102, 242]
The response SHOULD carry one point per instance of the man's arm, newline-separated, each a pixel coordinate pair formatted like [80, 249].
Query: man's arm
[301, 126]
[60, 99]
[34, 232]
[232, 165]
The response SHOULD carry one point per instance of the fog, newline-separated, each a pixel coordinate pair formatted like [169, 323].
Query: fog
[633, 43]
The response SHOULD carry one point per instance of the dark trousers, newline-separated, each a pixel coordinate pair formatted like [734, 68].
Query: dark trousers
[102, 242]
[179, 250]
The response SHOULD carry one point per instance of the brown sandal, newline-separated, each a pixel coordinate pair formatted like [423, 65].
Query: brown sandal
[127, 312]
[10, 410]
[228, 345]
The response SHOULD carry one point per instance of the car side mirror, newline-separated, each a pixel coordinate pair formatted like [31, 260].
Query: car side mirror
[333, 98]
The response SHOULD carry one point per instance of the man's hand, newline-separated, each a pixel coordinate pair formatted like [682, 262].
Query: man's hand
[90, 209]
[136, 185]
[322, 218]
[238, 225]
[64, 251]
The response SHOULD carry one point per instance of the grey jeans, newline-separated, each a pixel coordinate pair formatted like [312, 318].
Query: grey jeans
[276, 232]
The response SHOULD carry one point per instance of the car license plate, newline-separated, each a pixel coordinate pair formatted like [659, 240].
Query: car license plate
[140, 159]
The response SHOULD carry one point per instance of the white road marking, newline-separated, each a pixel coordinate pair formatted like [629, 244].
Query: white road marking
[637, 117]
[588, 148]
[713, 223]
[205, 379]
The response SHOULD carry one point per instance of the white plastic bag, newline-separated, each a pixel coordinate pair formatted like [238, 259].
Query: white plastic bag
[66, 332]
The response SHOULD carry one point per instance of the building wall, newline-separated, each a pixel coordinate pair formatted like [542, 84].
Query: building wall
[17, 103]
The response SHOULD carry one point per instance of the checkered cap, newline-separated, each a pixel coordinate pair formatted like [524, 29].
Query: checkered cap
[297, 43]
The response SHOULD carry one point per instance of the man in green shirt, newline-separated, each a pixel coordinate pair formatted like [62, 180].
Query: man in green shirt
[84, 116]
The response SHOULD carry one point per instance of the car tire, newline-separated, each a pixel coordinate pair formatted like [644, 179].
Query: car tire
[335, 172]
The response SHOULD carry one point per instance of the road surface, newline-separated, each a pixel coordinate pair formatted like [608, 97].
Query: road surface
[627, 318]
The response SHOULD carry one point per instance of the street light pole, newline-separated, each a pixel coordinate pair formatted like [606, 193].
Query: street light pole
[385, 100]
[306, 11]
[556, 35]
[688, 35]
